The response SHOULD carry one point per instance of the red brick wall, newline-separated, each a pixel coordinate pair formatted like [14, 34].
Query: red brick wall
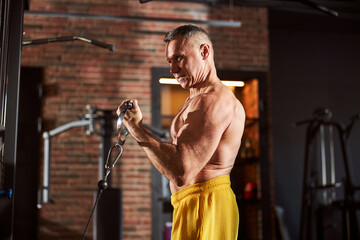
[77, 74]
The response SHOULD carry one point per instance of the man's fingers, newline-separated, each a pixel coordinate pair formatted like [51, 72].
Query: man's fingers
[133, 101]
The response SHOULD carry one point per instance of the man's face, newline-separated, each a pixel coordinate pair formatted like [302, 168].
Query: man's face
[185, 61]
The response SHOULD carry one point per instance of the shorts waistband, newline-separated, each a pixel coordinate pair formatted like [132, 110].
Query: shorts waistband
[203, 187]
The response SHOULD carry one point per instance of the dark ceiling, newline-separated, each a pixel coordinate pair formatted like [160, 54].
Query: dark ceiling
[347, 9]
[318, 15]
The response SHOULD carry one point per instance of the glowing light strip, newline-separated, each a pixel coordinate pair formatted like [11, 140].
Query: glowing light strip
[225, 82]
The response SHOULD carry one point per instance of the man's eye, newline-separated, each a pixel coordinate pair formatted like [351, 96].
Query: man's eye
[179, 58]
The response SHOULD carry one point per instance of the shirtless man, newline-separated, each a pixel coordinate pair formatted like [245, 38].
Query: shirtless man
[206, 135]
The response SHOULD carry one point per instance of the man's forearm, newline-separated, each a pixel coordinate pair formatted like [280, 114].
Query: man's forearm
[163, 155]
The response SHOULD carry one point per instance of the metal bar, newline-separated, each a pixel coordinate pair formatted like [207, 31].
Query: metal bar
[69, 38]
[47, 154]
[332, 161]
[46, 176]
[307, 192]
[265, 165]
[106, 132]
[4, 49]
[323, 162]
[163, 135]
[14, 38]
[218, 23]
[350, 225]
[63, 128]
[319, 7]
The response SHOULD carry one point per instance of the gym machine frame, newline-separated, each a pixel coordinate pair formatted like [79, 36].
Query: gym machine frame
[348, 206]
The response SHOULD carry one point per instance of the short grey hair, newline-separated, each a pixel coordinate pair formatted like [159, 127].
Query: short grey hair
[186, 31]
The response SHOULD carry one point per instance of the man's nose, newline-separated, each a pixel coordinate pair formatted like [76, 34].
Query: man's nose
[174, 68]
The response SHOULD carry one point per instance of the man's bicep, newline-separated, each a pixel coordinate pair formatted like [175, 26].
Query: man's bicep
[196, 147]
[200, 135]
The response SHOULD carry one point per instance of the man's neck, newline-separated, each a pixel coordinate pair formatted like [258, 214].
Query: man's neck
[203, 88]
[205, 85]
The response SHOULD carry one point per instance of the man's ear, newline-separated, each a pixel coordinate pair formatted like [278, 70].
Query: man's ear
[205, 50]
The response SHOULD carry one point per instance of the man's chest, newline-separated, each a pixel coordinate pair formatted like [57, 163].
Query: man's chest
[179, 122]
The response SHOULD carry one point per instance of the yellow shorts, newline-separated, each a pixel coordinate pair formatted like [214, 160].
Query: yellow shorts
[206, 211]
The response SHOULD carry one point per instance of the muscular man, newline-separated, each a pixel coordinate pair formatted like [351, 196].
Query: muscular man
[206, 135]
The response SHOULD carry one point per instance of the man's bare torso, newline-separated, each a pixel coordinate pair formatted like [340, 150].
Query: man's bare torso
[222, 161]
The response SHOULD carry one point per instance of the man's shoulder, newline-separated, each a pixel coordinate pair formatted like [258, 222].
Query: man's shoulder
[221, 96]
[217, 102]
[217, 93]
